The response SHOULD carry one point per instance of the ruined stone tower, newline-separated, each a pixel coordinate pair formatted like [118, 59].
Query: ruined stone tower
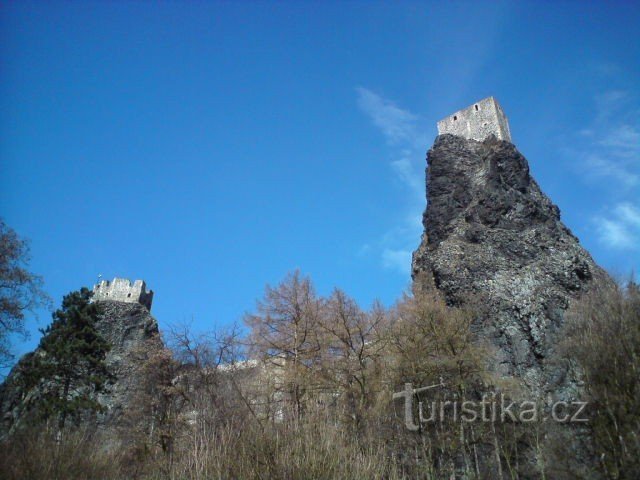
[122, 290]
[478, 121]
[492, 236]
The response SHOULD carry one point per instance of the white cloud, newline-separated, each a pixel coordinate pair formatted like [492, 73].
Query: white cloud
[610, 158]
[405, 133]
[397, 125]
[624, 137]
[614, 234]
[406, 170]
[620, 229]
[398, 260]
[629, 214]
[609, 102]
[611, 141]
[597, 166]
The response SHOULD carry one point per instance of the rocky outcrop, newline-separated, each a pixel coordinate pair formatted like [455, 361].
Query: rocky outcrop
[133, 336]
[493, 237]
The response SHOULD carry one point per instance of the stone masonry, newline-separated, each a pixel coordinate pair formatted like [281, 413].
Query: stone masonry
[122, 290]
[477, 122]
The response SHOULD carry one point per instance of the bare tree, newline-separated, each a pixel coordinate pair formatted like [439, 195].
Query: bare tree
[284, 335]
[352, 345]
[20, 290]
[432, 344]
[602, 339]
[430, 340]
[151, 425]
[207, 361]
[191, 348]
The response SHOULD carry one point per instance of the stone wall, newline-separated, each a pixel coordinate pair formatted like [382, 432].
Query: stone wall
[477, 122]
[122, 290]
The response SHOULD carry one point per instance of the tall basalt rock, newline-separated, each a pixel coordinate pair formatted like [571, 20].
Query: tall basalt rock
[133, 336]
[491, 235]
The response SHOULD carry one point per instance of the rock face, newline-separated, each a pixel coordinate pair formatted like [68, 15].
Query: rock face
[491, 234]
[133, 335]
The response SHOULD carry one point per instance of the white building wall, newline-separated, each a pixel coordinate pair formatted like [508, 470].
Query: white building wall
[122, 290]
[478, 121]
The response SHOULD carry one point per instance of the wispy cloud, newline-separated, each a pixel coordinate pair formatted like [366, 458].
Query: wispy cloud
[399, 260]
[405, 134]
[625, 138]
[612, 141]
[600, 166]
[620, 229]
[397, 125]
[610, 158]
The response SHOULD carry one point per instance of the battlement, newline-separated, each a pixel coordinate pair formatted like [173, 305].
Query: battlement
[122, 290]
[478, 121]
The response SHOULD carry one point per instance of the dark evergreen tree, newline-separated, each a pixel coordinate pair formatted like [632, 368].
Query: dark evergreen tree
[69, 365]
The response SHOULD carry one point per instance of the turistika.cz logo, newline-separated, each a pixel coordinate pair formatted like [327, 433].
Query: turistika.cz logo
[491, 408]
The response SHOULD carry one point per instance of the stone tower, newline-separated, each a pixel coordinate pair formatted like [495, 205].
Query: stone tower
[122, 290]
[478, 121]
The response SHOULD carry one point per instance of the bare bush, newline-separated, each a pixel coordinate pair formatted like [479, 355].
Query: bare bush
[602, 339]
[285, 336]
[38, 453]
[315, 400]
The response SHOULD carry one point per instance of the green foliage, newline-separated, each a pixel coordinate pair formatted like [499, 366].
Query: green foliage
[69, 368]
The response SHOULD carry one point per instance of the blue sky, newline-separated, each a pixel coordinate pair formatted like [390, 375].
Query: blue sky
[209, 148]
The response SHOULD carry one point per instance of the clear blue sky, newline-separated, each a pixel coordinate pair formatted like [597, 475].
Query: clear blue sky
[209, 148]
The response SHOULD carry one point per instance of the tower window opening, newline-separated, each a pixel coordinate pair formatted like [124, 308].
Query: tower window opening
[128, 295]
[455, 117]
[476, 107]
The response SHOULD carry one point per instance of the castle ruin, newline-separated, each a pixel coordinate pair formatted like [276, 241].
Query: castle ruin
[477, 121]
[122, 290]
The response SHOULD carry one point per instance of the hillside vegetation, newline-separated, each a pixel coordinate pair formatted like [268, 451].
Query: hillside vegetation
[316, 401]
